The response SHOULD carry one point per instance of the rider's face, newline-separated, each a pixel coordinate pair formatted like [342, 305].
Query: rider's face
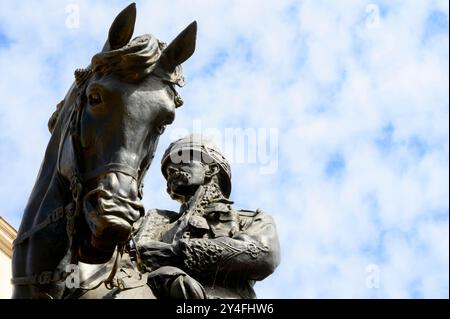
[183, 179]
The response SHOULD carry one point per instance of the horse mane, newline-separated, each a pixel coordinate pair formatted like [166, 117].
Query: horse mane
[52, 121]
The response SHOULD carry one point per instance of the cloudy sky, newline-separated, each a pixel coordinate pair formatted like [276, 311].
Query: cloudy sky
[346, 103]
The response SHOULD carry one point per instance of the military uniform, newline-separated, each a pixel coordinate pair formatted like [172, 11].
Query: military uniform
[219, 252]
[225, 260]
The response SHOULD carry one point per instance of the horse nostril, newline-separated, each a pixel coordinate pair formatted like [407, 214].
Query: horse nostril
[161, 129]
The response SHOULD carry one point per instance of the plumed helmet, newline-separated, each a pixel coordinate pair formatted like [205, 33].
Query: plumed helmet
[196, 147]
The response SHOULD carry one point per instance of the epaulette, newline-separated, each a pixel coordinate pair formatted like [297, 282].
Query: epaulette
[169, 215]
[154, 224]
[248, 213]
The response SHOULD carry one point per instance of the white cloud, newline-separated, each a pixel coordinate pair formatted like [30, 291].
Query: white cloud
[330, 84]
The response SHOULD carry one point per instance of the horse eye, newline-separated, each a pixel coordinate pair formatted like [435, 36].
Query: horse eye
[94, 98]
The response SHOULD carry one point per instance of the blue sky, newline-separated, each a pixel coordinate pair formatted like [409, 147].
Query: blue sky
[357, 91]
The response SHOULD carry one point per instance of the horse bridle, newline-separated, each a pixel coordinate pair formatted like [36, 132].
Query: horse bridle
[76, 185]
[82, 78]
[74, 131]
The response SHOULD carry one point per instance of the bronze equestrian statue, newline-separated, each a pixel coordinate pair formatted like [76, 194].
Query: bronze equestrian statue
[86, 201]
[85, 208]
[206, 250]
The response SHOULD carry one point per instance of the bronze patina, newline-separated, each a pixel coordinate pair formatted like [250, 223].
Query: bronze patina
[208, 249]
[87, 196]
[86, 208]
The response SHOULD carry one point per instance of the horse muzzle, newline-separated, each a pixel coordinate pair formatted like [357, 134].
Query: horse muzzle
[111, 209]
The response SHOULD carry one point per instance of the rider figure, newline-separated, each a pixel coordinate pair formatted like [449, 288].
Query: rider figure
[208, 249]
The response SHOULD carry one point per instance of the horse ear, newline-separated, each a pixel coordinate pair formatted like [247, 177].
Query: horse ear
[121, 29]
[180, 49]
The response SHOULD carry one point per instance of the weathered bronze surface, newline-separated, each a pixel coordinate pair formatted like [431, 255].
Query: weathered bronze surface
[206, 250]
[87, 196]
[86, 207]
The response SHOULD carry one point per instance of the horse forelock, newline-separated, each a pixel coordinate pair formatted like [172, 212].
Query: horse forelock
[132, 62]
[135, 61]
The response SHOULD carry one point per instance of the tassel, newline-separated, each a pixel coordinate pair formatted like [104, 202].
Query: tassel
[81, 75]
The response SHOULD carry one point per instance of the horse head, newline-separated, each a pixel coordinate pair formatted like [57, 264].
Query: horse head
[124, 100]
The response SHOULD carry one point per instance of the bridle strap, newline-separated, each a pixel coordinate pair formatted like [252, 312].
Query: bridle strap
[43, 278]
[74, 127]
[111, 168]
[72, 210]
[53, 217]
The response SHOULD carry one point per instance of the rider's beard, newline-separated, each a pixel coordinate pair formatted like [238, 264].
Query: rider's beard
[180, 187]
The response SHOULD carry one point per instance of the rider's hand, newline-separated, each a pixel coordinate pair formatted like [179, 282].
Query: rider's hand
[155, 254]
